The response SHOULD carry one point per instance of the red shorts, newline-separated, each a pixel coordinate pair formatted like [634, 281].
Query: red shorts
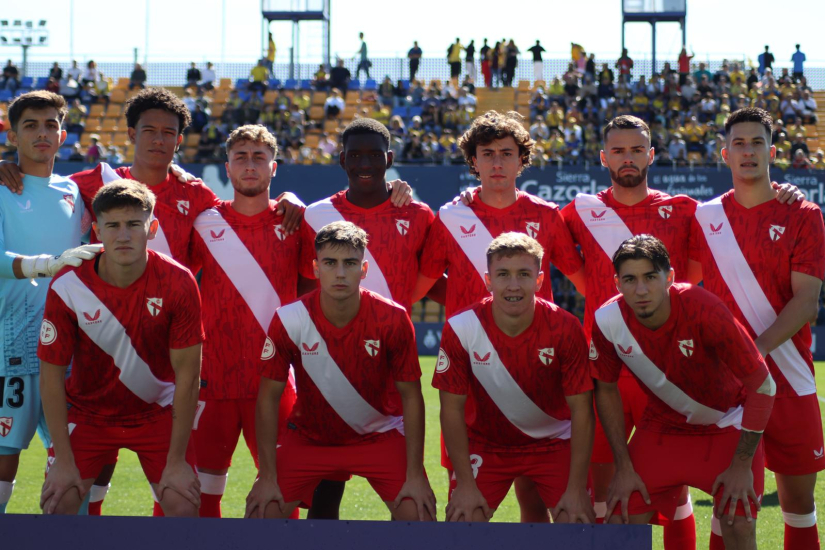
[667, 462]
[303, 463]
[96, 446]
[495, 473]
[220, 422]
[793, 437]
[634, 400]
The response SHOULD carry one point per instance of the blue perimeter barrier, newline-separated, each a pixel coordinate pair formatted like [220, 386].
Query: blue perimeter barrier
[84, 532]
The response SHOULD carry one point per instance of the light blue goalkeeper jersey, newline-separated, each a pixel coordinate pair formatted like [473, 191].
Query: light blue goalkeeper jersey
[45, 219]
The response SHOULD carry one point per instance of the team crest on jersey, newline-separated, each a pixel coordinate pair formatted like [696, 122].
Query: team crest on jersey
[533, 229]
[183, 207]
[594, 353]
[482, 359]
[70, 201]
[93, 318]
[442, 364]
[269, 349]
[310, 350]
[216, 237]
[665, 211]
[154, 305]
[279, 232]
[776, 231]
[546, 355]
[686, 347]
[403, 226]
[597, 216]
[716, 229]
[625, 352]
[5, 425]
[372, 347]
[48, 334]
[468, 232]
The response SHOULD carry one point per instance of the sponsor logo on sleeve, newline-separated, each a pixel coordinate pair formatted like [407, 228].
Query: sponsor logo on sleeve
[269, 349]
[48, 333]
[442, 364]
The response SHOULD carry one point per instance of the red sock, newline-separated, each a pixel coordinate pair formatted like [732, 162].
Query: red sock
[296, 514]
[95, 508]
[158, 511]
[210, 506]
[801, 538]
[680, 534]
[716, 541]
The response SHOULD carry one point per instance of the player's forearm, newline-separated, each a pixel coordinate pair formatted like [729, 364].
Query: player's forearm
[267, 418]
[798, 312]
[579, 281]
[414, 433]
[746, 449]
[581, 439]
[454, 431]
[422, 286]
[53, 397]
[611, 415]
[185, 402]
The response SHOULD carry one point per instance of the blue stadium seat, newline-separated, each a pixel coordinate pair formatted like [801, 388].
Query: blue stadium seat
[71, 139]
[405, 84]
[27, 82]
[415, 111]
[401, 111]
[274, 83]
[371, 85]
[244, 95]
[64, 153]
[306, 84]
[6, 95]
[354, 84]
[241, 83]
[290, 84]
[41, 82]
[3, 138]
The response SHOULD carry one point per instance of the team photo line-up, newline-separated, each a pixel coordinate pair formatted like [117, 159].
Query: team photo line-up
[298, 334]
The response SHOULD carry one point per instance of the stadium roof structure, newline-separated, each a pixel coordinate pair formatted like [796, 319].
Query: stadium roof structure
[654, 11]
[299, 11]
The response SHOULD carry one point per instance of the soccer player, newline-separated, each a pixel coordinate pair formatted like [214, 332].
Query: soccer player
[44, 220]
[522, 361]
[129, 324]
[359, 410]
[497, 148]
[766, 261]
[709, 395]
[250, 268]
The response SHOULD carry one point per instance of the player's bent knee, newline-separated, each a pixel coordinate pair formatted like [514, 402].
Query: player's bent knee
[273, 510]
[408, 511]
[69, 503]
[174, 505]
[742, 530]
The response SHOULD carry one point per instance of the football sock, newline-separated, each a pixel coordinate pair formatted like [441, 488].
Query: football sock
[800, 531]
[6, 489]
[157, 511]
[96, 495]
[716, 542]
[212, 489]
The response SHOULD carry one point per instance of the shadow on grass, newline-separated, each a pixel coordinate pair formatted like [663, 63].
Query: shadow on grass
[769, 500]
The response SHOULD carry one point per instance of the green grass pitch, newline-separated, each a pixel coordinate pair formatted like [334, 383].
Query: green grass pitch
[130, 496]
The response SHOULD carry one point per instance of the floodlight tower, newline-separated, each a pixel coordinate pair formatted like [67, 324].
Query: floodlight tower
[24, 34]
[298, 11]
[654, 11]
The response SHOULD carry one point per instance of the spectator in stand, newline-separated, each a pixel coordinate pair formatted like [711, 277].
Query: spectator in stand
[334, 104]
[625, 65]
[209, 143]
[101, 89]
[799, 145]
[798, 59]
[801, 161]
[11, 77]
[95, 151]
[327, 144]
[90, 75]
[495, 65]
[76, 118]
[193, 77]
[271, 50]
[189, 100]
[766, 60]
[590, 67]
[677, 146]
[320, 80]
[138, 77]
[56, 72]
[70, 89]
[512, 62]
[386, 92]
[414, 56]
[484, 56]
[819, 161]
[259, 77]
[702, 71]
[53, 85]
[539, 131]
[470, 60]
[208, 78]
[340, 76]
[364, 62]
[77, 153]
[114, 156]
[454, 59]
[807, 106]
[684, 65]
[538, 64]
[74, 72]
[199, 119]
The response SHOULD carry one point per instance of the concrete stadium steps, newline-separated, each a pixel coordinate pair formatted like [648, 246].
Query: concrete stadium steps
[820, 125]
[499, 99]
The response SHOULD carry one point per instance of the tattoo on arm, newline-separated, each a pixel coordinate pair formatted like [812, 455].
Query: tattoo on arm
[748, 442]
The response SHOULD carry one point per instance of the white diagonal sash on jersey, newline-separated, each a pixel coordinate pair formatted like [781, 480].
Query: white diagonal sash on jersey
[110, 336]
[456, 218]
[159, 243]
[328, 378]
[505, 392]
[323, 213]
[609, 231]
[242, 269]
[612, 324]
[749, 295]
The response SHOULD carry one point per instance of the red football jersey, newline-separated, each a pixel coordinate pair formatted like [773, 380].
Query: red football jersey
[666, 218]
[177, 206]
[396, 239]
[542, 365]
[117, 340]
[775, 240]
[250, 268]
[344, 376]
[696, 361]
[460, 236]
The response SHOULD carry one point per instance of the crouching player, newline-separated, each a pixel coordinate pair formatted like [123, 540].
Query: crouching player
[709, 395]
[522, 362]
[129, 323]
[351, 350]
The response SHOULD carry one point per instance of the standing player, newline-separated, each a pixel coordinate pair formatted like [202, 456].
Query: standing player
[44, 220]
[357, 373]
[497, 148]
[709, 395]
[523, 362]
[766, 261]
[129, 323]
[250, 268]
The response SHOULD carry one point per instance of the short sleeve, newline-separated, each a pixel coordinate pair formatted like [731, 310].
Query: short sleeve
[277, 353]
[434, 256]
[452, 368]
[605, 364]
[186, 328]
[696, 244]
[307, 254]
[402, 351]
[58, 331]
[197, 251]
[575, 367]
[808, 255]
[563, 253]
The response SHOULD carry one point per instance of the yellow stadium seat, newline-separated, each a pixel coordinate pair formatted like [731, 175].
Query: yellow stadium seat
[270, 96]
[218, 109]
[330, 126]
[226, 84]
[192, 139]
[97, 111]
[523, 85]
[316, 112]
[523, 98]
[109, 125]
[121, 139]
[113, 112]
[353, 97]
[417, 310]
[85, 139]
[432, 312]
[122, 83]
[319, 98]
[349, 112]
[117, 97]
[94, 124]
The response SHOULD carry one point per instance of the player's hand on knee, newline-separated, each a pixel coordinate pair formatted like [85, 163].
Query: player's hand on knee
[181, 478]
[63, 476]
[736, 484]
[182, 175]
[464, 502]
[11, 177]
[264, 491]
[625, 482]
[574, 507]
[787, 193]
[418, 489]
[465, 197]
[400, 193]
[292, 209]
